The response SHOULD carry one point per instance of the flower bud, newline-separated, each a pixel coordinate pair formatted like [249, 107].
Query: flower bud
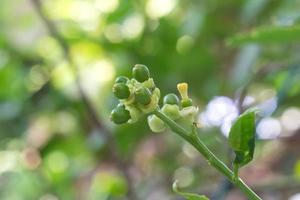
[140, 73]
[143, 96]
[156, 124]
[120, 115]
[121, 91]
[171, 111]
[121, 79]
[171, 99]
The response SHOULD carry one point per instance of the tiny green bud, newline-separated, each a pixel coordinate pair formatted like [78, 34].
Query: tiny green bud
[121, 79]
[186, 102]
[171, 99]
[156, 124]
[120, 115]
[121, 91]
[143, 96]
[140, 73]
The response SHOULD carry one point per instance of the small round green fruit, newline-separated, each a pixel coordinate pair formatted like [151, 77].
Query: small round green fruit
[121, 79]
[140, 73]
[120, 115]
[143, 96]
[121, 91]
[171, 99]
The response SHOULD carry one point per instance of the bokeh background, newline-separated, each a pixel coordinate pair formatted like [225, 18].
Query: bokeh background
[58, 62]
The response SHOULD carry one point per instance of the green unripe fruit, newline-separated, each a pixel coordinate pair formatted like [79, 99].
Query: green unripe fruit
[140, 73]
[120, 115]
[171, 99]
[186, 103]
[143, 96]
[121, 79]
[121, 91]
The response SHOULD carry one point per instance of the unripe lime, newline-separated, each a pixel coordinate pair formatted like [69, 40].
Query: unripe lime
[121, 91]
[140, 73]
[171, 99]
[143, 96]
[120, 115]
[121, 79]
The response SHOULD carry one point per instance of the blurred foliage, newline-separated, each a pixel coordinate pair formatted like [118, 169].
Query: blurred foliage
[275, 34]
[50, 147]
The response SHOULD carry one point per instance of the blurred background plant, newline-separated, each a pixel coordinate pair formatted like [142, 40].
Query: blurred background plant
[58, 61]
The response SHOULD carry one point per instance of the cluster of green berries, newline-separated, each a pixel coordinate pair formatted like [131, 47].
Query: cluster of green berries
[139, 96]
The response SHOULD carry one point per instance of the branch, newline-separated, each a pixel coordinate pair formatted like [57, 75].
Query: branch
[66, 51]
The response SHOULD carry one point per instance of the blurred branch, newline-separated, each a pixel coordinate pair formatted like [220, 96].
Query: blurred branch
[113, 154]
[66, 50]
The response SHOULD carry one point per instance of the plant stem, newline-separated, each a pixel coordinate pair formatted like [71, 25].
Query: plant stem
[212, 159]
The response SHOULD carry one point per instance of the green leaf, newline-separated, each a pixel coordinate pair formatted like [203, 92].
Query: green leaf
[242, 139]
[188, 196]
[273, 34]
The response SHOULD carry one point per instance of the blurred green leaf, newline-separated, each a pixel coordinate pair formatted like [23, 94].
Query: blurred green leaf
[188, 196]
[242, 138]
[272, 34]
[107, 184]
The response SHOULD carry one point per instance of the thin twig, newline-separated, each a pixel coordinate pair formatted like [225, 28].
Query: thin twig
[122, 166]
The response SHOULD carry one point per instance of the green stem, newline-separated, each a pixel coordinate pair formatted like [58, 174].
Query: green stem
[211, 158]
